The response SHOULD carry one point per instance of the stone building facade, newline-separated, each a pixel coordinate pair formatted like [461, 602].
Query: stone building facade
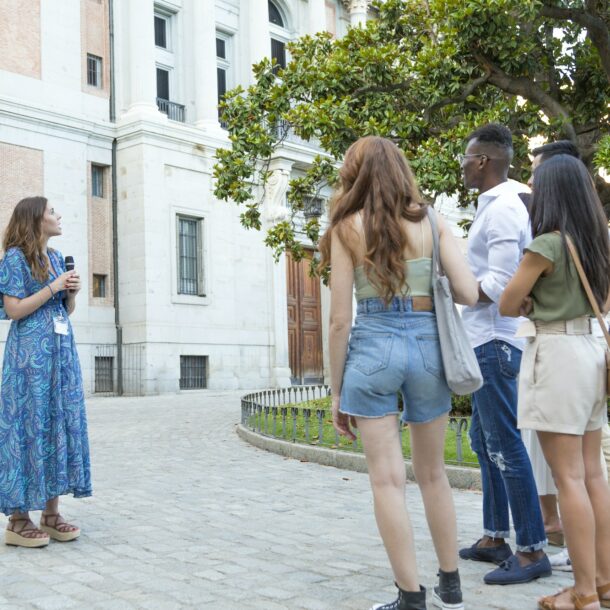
[109, 109]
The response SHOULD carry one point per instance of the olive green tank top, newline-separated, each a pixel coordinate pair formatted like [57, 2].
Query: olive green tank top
[557, 296]
[419, 280]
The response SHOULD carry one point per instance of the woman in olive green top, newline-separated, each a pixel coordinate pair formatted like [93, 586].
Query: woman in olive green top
[562, 391]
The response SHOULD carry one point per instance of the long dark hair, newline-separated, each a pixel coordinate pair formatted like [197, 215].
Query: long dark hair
[24, 231]
[376, 178]
[565, 200]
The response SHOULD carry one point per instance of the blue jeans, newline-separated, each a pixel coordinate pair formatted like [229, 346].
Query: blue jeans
[506, 472]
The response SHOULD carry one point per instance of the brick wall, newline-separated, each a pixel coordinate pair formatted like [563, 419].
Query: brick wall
[94, 40]
[21, 175]
[99, 213]
[20, 37]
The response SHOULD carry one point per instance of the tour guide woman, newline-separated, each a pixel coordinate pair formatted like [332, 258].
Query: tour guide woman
[44, 450]
[380, 240]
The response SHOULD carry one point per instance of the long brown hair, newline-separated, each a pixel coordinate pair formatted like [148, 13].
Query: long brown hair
[24, 231]
[375, 178]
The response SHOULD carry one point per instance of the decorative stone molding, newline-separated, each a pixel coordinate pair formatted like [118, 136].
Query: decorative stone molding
[276, 209]
[356, 5]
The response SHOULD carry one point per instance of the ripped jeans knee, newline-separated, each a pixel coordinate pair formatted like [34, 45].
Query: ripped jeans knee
[497, 458]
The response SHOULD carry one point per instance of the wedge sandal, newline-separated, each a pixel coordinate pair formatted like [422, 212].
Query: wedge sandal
[24, 537]
[62, 532]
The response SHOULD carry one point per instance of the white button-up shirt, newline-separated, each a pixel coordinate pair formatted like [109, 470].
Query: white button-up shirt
[499, 234]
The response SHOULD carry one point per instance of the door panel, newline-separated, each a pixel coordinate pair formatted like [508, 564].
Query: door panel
[304, 322]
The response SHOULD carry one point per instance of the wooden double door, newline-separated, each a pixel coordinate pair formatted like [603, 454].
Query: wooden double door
[304, 322]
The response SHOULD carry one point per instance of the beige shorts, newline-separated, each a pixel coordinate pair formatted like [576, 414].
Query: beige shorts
[562, 384]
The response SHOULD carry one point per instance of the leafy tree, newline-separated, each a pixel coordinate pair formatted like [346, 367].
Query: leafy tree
[424, 73]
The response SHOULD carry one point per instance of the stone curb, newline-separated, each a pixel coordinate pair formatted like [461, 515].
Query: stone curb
[459, 477]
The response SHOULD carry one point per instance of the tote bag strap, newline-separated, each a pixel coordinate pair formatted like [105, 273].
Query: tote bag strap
[587, 287]
[437, 268]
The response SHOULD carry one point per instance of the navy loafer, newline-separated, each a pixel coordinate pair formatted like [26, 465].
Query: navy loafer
[494, 554]
[511, 572]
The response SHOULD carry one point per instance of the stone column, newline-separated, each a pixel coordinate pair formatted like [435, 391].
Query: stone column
[140, 38]
[358, 10]
[276, 210]
[254, 19]
[317, 16]
[204, 64]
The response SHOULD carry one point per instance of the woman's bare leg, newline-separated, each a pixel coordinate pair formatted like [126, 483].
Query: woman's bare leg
[381, 441]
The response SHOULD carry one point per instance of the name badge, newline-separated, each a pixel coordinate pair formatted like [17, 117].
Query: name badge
[60, 325]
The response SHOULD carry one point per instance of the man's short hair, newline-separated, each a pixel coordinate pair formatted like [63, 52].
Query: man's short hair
[561, 147]
[494, 133]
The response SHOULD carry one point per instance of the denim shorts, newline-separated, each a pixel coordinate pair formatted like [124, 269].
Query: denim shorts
[394, 349]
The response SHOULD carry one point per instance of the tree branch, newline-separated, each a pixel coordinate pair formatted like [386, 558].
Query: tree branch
[590, 19]
[469, 89]
[528, 89]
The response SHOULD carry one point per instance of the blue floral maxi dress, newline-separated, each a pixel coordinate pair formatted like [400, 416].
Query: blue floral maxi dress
[44, 449]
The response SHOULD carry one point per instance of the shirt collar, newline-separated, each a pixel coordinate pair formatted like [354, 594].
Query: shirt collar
[510, 186]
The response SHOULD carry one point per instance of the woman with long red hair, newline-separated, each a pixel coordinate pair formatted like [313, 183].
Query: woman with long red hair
[380, 242]
[44, 450]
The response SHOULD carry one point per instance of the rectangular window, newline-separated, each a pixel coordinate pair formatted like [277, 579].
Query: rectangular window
[193, 372]
[163, 84]
[221, 48]
[99, 286]
[190, 259]
[223, 65]
[278, 52]
[97, 181]
[104, 374]
[94, 70]
[161, 32]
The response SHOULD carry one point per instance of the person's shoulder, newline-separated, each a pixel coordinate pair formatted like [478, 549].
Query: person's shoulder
[547, 244]
[14, 254]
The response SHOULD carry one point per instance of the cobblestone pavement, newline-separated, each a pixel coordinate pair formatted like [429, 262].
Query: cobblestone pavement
[186, 515]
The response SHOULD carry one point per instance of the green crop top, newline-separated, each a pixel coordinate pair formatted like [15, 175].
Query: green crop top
[419, 280]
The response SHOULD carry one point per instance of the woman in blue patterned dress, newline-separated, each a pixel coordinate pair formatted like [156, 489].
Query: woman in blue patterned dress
[44, 450]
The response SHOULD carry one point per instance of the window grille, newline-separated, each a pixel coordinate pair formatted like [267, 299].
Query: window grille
[193, 372]
[99, 286]
[97, 181]
[313, 207]
[160, 32]
[190, 272]
[94, 70]
[104, 374]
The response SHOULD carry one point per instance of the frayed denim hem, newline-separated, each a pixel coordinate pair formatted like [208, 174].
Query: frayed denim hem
[532, 548]
[504, 534]
[369, 416]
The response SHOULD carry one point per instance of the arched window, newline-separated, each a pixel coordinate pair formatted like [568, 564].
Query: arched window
[275, 16]
[279, 35]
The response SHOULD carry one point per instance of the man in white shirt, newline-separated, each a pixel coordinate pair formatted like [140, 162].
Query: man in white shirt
[499, 233]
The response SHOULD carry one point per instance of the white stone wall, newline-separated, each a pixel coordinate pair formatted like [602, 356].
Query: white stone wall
[163, 168]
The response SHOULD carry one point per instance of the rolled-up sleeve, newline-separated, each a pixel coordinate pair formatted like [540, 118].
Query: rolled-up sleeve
[504, 236]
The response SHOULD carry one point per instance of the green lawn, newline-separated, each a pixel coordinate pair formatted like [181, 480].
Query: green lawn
[307, 430]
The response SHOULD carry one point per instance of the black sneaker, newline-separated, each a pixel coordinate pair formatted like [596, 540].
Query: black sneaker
[406, 600]
[492, 554]
[447, 594]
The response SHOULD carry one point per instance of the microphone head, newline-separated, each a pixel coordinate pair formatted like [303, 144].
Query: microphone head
[69, 262]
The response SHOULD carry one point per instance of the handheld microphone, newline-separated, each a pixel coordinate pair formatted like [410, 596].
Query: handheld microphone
[69, 262]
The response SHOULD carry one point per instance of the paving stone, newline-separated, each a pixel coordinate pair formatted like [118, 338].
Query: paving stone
[186, 515]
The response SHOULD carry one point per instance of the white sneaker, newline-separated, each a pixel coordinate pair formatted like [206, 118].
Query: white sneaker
[561, 561]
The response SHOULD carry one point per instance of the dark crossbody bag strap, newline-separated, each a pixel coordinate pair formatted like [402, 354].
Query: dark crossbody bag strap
[587, 287]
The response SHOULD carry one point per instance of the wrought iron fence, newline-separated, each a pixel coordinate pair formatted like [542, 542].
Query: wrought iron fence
[301, 414]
